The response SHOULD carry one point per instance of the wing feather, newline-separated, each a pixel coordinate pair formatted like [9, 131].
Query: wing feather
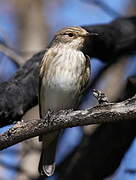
[43, 72]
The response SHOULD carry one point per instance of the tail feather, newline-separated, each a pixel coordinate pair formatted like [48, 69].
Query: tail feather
[47, 159]
[48, 169]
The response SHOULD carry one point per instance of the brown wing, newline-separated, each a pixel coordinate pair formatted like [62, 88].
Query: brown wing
[86, 75]
[48, 56]
[85, 81]
[40, 82]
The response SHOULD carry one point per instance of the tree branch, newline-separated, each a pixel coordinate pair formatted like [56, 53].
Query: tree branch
[115, 39]
[111, 112]
[11, 54]
[20, 93]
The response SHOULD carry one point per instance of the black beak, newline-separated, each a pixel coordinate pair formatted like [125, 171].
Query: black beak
[92, 34]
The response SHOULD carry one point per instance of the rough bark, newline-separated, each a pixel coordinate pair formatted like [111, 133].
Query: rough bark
[19, 93]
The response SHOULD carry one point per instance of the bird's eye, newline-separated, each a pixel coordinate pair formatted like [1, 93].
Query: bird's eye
[70, 34]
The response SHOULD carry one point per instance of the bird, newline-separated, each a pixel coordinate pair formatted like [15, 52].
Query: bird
[64, 78]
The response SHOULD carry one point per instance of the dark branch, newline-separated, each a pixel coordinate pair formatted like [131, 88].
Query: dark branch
[104, 150]
[115, 39]
[55, 121]
[20, 93]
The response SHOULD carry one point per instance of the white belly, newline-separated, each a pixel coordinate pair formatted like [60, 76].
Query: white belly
[62, 91]
[61, 94]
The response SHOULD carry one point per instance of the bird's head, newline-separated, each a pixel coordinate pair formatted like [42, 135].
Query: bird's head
[72, 37]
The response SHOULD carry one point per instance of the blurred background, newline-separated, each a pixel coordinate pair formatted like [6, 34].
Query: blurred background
[26, 27]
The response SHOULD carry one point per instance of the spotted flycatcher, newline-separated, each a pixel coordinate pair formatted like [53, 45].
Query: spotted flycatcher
[64, 77]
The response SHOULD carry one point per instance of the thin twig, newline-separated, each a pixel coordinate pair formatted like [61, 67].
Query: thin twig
[106, 8]
[10, 53]
[100, 96]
